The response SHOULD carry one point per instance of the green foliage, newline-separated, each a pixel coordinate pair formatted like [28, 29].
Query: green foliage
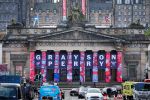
[136, 25]
[147, 32]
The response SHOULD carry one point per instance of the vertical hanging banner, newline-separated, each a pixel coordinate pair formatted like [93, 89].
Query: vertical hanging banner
[107, 69]
[69, 67]
[102, 59]
[43, 68]
[95, 67]
[64, 10]
[63, 59]
[32, 66]
[113, 60]
[38, 59]
[83, 7]
[119, 67]
[56, 68]
[82, 67]
[50, 58]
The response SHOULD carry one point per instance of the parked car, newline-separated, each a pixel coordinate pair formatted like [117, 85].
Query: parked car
[74, 92]
[82, 92]
[93, 94]
[110, 91]
[10, 91]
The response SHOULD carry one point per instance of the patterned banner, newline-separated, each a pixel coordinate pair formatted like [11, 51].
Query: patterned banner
[83, 7]
[69, 67]
[32, 66]
[102, 59]
[50, 58]
[82, 67]
[43, 68]
[119, 67]
[107, 70]
[113, 60]
[95, 68]
[38, 59]
[56, 69]
[63, 60]
[64, 9]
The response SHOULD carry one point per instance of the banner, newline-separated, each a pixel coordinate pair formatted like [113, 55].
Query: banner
[69, 67]
[89, 59]
[119, 67]
[64, 10]
[101, 59]
[83, 7]
[95, 67]
[50, 58]
[43, 68]
[82, 67]
[76, 59]
[113, 60]
[107, 69]
[38, 59]
[32, 66]
[56, 68]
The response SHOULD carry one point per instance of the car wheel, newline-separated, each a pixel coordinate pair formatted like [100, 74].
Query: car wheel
[79, 97]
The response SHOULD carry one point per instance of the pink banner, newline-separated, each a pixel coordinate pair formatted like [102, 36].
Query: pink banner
[43, 68]
[83, 7]
[107, 70]
[64, 8]
[82, 67]
[69, 67]
[95, 68]
[119, 67]
[56, 68]
[32, 66]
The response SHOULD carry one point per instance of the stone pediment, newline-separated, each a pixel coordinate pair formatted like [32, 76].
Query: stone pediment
[75, 35]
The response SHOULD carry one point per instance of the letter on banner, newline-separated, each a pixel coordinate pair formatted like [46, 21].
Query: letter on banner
[101, 60]
[63, 60]
[50, 58]
[107, 69]
[89, 60]
[113, 59]
[38, 59]
[32, 66]
[76, 60]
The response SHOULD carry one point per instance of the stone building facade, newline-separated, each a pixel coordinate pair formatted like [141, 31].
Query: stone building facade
[46, 28]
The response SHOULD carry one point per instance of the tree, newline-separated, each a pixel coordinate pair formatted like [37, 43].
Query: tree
[136, 25]
[147, 32]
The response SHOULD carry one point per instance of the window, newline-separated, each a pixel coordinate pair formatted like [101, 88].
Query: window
[136, 1]
[130, 19]
[119, 1]
[135, 7]
[119, 18]
[55, 1]
[129, 13]
[140, 13]
[135, 13]
[127, 1]
[119, 13]
[143, 7]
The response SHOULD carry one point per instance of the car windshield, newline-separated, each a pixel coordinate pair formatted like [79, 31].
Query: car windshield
[8, 92]
[142, 87]
[93, 91]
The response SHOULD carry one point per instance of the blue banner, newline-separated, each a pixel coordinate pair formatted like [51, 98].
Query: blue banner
[89, 60]
[113, 60]
[38, 59]
[63, 60]
[101, 60]
[50, 58]
[76, 60]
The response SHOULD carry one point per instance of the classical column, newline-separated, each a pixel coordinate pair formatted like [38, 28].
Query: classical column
[148, 67]
[1, 53]
[83, 7]
[64, 10]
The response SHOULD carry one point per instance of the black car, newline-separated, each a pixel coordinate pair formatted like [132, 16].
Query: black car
[74, 92]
